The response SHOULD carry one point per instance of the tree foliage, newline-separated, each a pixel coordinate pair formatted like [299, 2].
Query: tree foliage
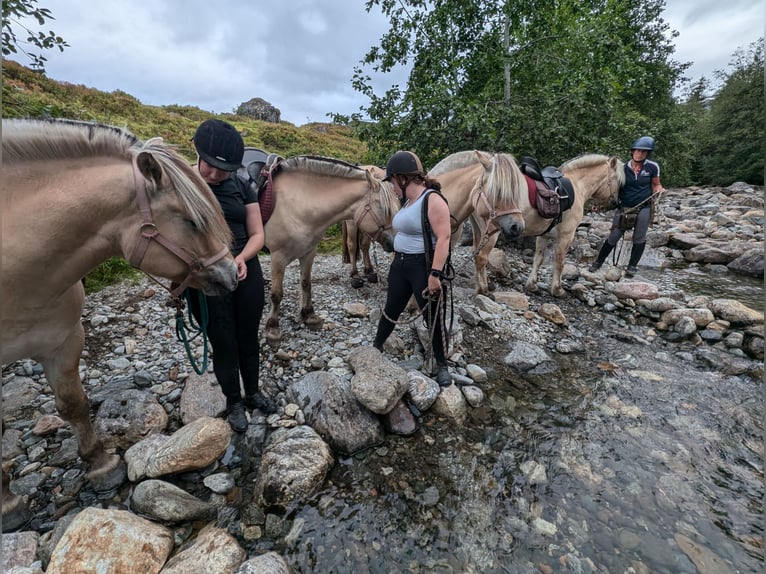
[552, 79]
[15, 15]
[732, 146]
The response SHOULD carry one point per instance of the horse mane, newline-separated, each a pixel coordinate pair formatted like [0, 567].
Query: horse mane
[591, 159]
[28, 139]
[457, 160]
[323, 166]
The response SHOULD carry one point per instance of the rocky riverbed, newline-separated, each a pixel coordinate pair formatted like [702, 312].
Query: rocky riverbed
[633, 356]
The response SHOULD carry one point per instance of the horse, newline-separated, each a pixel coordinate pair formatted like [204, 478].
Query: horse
[483, 185]
[356, 243]
[596, 179]
[75, 194]
[310, 194]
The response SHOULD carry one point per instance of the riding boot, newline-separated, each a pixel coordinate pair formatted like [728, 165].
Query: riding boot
[606, 249]
[635, 256]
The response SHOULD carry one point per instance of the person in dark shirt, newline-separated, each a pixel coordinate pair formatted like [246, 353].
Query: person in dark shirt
[234, 319]
[642, 182]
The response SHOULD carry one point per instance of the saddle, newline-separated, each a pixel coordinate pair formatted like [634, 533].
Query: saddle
[257, 172]
[549, 191]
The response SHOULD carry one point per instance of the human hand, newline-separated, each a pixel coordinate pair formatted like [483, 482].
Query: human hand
[241, 268]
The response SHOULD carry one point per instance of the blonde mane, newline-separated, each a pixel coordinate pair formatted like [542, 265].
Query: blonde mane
[457, 160]
[40, 140]
[323, 166]
[593, 159]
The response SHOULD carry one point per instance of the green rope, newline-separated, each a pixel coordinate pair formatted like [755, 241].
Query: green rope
[199, 329]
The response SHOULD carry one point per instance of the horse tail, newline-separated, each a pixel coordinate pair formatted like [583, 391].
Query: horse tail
[346, 254]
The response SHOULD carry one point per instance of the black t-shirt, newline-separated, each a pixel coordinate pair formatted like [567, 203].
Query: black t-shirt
[234, 194]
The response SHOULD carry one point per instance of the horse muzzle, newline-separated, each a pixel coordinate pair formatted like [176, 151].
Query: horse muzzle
[219, 278]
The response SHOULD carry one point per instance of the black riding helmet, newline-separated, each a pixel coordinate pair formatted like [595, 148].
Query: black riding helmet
[219, 144]
[404, 163]
[644, 143]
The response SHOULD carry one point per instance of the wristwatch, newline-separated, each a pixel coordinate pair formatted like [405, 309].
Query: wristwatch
[436, 273]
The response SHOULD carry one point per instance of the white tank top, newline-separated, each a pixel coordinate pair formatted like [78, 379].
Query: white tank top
[408, 225]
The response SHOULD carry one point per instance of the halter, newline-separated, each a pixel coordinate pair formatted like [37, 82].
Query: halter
[493, 214]
[367, 210]
[606, 180]
[150, 232]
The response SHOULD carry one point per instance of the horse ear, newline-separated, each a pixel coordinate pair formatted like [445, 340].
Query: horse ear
[613, 162]
[149, 167]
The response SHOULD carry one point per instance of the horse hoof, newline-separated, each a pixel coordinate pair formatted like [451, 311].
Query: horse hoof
[372, 278]
[15, 513]
[356, 282]
[315, 324]
[273, 338]
[108, 477]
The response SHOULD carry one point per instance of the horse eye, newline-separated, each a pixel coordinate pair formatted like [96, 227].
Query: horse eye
[192, 224]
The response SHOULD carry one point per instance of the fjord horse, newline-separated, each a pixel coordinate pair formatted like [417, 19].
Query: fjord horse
[310, 194]
[486, 186]
[596, 179]
[75, 194]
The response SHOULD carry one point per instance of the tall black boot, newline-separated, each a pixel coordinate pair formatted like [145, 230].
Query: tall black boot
[606, 249]
[635, 256]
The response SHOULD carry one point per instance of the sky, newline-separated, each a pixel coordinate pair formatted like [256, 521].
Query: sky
[298, 55]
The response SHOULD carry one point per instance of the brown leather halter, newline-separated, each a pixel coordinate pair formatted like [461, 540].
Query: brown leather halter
[367, 210]
[149, 233]
[493, 214]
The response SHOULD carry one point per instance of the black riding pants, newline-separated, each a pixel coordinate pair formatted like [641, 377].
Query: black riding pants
[233, 323]
[408, 276]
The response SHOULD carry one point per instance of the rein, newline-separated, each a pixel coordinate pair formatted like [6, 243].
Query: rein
[149, 233]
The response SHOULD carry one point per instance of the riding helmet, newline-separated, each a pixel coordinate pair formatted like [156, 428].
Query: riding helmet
[644, 143]
[403, 162]
[219, 144]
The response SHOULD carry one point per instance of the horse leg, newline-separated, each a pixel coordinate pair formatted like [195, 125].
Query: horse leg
[61, 369]
[15, 512]
[308, 316]
[364, 246]
[271, 329]
[352, 245]
[541, 243]
[561, 248]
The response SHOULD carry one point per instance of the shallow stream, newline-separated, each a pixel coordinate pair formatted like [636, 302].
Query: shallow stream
[625, 458]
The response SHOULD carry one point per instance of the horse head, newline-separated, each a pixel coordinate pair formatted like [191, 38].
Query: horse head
[183, 235]
[375, 215]
[597, 177]
[497, 194]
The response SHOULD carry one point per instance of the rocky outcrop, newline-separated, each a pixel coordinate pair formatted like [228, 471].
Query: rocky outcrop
[259, 109]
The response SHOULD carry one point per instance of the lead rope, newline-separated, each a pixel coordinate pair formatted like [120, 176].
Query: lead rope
[655, 200]
[197, 329]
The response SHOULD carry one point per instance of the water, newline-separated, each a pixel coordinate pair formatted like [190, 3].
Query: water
[638, 457]
[697, 280]
[628, 458]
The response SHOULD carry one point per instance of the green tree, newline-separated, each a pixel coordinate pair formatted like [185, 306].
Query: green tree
[15, 15]
[734, 147]
[547, 78]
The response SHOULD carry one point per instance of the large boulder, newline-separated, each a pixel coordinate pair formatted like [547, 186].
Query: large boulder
[259, 109]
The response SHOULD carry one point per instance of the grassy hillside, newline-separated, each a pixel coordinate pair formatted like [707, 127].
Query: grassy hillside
[28, 94]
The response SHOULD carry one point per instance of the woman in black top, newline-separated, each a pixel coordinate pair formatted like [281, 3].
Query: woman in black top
[234, 318]
[642, 181]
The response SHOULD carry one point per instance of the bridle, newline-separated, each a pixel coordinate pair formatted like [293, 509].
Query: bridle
[367, 210]
[149, 233]
[493, 226]
[606, 182]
